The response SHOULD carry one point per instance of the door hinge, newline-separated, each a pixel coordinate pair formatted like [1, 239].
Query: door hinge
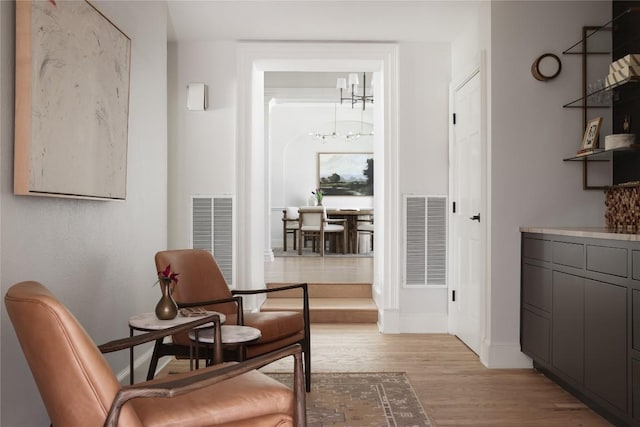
[454, 207]
[453, 295]
[454, 118]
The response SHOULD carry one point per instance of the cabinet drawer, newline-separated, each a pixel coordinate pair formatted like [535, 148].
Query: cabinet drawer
[608, 260]
[535, 335]
[536, 286]
[570, 254]
[536, 249]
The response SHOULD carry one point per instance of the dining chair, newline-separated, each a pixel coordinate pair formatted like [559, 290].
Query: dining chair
[365, 226]
[78, 387]
[289, 226]
[313, 222]
[201, 284]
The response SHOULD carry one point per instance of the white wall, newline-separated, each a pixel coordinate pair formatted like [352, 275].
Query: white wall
[424, 73]
[97, 257]
[531, 134]
[423, 135]
[202, 148]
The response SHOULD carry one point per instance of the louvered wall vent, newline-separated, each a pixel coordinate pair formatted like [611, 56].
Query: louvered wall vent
[425, 241]
[212, 229]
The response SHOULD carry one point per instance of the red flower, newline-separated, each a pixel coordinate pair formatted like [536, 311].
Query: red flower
[167, 274]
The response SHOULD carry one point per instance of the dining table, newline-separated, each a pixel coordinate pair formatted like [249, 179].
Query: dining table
[350, 215]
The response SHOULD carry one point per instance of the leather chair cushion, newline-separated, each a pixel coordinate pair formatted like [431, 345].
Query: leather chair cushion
[270, 403]
[275, 325]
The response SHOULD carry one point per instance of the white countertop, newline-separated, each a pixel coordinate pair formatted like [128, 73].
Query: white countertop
[592, 232]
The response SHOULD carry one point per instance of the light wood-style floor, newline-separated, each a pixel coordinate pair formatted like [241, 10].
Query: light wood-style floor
[453, 386]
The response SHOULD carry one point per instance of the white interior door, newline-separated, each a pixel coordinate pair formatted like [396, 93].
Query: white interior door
[467, 267]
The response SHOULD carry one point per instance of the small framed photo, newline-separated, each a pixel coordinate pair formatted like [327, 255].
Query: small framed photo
[590, 140]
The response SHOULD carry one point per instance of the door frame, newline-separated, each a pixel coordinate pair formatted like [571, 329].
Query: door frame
[253, 59]
[484, 303]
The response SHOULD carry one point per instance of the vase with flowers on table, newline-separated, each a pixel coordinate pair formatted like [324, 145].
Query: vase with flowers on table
[167, 309]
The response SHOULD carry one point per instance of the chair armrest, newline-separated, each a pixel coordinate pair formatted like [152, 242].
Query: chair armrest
[210, 376]
[303, 286]
[305, 303]
[129, 342]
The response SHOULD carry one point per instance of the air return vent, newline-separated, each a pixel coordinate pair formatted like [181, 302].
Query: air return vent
[212, 229]
[425, 241]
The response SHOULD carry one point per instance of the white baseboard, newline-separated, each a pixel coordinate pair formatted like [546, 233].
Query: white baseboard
[503, 356]
[141, 361]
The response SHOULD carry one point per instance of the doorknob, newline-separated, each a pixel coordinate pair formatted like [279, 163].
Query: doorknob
[475, 217]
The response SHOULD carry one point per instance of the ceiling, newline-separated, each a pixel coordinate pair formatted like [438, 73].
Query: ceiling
[320, 20]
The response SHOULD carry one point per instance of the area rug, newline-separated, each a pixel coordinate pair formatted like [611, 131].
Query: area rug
[371, 399]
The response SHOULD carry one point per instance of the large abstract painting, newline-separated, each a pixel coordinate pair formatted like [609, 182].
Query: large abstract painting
[345, 174]
[72, 101]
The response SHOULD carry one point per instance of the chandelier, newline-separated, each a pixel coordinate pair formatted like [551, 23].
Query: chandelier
[354, 97]
[349, 136]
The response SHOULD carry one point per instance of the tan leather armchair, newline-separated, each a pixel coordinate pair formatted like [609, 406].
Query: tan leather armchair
[79, 388]
[201, 284]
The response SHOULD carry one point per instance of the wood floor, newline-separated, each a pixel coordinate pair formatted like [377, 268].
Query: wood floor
[453, 386]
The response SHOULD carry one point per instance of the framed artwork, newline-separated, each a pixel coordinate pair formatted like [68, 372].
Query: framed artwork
[345, 174]
[72, 101]
[590, 139]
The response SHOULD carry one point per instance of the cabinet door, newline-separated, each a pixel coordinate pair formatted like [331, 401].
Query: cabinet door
[605, 341]
[568, 325]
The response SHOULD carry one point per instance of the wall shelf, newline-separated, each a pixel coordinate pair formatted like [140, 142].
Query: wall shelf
[616, 38]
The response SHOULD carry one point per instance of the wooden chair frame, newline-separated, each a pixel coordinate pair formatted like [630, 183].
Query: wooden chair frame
[168, 349]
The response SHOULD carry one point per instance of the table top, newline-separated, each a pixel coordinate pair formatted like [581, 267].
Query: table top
[350, 212]
[231, 334]
[149, 321]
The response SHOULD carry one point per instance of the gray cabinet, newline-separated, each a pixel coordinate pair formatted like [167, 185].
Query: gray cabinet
[568, 325]
[580, 318]
[605, 341]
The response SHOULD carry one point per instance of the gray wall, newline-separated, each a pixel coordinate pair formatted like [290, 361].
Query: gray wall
[97, 257]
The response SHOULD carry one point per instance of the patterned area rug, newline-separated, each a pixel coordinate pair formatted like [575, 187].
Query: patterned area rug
[361, 399]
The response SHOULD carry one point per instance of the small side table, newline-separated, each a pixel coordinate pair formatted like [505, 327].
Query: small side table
[146, 322]
[231, 334]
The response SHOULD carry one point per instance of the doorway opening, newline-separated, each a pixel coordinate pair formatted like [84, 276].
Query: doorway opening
[254, 154]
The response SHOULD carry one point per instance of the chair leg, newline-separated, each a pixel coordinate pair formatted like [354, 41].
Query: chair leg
[284, 241]
[307, 365]
[153, 364]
